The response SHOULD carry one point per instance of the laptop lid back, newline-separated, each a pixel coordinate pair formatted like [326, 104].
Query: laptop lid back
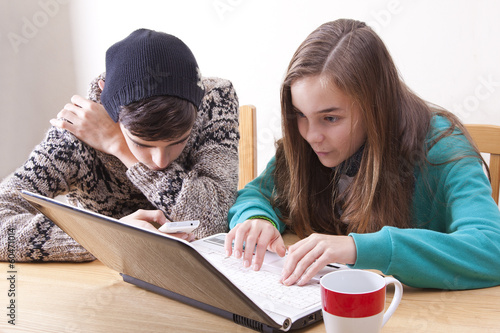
[161, 260]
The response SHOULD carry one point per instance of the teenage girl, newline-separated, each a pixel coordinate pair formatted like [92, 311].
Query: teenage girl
[368, 174]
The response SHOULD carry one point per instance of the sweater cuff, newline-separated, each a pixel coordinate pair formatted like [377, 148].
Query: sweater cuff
[137, 171]
[374, 250]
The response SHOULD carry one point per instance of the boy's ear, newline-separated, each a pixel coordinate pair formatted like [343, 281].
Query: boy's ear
[101, 84]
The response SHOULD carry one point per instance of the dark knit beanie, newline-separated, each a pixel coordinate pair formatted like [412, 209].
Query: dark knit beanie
[149, 63]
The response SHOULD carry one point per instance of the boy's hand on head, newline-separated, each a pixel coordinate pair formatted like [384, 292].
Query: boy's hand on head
[90, 122]
[257, 234]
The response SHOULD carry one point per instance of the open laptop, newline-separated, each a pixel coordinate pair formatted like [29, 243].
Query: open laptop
[196, 273]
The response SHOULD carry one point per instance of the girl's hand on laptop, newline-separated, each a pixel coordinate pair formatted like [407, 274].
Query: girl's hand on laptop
[145, 219]
[309, 255]
[258, 234]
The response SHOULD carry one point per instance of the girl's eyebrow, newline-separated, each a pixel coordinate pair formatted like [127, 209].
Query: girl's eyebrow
[327, 110]
[332, 109]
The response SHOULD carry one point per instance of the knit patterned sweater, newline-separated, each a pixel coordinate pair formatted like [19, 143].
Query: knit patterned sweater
[200, 184]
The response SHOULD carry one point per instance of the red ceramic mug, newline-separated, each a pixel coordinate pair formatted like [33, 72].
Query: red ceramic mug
[354, 301]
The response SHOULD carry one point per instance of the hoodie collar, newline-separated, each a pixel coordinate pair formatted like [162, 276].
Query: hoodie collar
[351, 165]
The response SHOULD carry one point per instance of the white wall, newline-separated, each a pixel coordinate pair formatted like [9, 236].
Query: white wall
[447, 51]
[37, 74]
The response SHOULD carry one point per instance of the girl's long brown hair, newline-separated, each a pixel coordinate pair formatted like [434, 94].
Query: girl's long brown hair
[351, 56]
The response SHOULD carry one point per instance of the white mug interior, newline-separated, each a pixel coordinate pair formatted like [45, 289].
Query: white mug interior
[353, 281]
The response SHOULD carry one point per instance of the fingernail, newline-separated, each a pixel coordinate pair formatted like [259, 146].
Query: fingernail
[237, 254]
[246, 264]
[227, 253]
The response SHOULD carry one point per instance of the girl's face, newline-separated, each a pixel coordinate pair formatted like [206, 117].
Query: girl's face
[328, 120]
[156, 155]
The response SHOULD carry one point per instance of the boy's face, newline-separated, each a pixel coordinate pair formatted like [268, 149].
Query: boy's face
[156, 155]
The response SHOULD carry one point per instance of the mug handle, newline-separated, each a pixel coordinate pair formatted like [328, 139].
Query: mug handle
[398, 293]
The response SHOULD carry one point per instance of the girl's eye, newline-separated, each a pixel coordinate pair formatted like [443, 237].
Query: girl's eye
[331, 119]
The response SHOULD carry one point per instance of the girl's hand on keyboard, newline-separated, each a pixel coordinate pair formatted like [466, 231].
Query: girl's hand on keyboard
[257, 234]
[308, 256]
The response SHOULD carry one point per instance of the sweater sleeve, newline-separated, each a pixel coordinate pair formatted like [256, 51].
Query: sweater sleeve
[253, 200]
[456, 240]
[25, 233]
[204, 186]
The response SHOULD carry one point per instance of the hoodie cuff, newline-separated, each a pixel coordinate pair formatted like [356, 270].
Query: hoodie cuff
[374, 250]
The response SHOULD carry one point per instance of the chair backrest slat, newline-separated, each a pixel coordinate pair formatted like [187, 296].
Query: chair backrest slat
[247, 148]
[487, 139]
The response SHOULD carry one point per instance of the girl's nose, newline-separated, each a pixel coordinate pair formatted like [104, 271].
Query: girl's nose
[314, 134]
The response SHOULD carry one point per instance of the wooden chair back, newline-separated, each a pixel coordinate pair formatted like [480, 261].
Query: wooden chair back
[247, 148]
[487, 139]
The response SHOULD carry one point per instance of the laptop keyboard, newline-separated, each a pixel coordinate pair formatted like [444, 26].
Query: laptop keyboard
[265, 283]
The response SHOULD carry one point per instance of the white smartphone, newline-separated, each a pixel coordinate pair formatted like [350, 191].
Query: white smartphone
[178, 227]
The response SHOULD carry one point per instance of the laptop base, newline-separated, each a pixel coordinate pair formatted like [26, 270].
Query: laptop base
[240, 320]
